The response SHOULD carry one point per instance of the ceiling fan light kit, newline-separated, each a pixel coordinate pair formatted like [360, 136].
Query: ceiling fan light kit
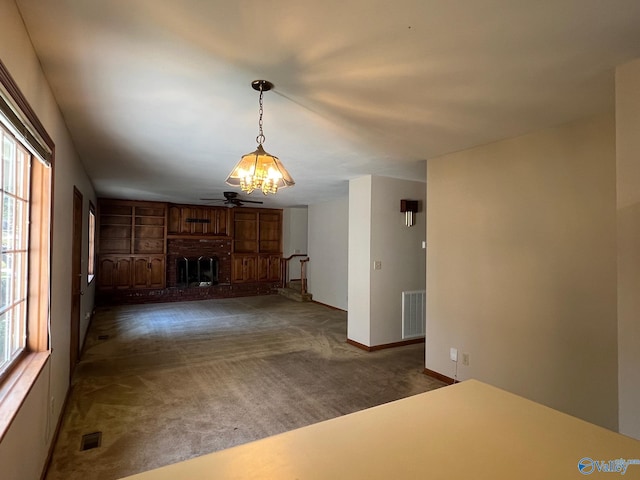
[260, 170]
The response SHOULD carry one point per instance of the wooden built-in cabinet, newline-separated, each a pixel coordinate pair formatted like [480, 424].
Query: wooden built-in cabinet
[270, 232]
[244, 268]
[131, 244]
[132, 240]
[257, 245]
[120, 272]
[269, 268]
[198, 221]
[250, 267]
[245, 231]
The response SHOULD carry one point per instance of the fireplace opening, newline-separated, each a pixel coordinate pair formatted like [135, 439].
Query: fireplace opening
[197, 272]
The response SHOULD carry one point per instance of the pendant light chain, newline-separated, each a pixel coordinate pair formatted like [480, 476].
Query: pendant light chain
[260, 138]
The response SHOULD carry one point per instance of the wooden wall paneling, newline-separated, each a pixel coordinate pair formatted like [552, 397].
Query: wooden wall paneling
[245, 231]
[173, 220]
[270, 232]
[129, 231]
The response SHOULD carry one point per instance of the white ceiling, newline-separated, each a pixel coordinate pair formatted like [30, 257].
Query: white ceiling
[157, 95]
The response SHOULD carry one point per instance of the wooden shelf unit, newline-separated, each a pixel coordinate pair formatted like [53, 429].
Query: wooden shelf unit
[131, 244]
[257, 245]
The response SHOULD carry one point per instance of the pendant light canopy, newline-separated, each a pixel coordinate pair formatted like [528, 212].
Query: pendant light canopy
[260, 170]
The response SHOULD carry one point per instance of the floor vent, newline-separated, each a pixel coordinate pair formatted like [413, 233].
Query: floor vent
[91, 440]
[103, 337]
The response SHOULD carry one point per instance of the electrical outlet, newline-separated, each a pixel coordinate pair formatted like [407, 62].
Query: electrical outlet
[377, 265]
[465, 359]
[453, 354]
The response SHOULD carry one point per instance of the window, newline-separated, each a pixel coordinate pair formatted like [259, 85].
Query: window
[26, 173]
[91, 263]
[14, 210]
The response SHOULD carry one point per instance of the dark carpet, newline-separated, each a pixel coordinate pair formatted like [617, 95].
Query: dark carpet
[168, 382]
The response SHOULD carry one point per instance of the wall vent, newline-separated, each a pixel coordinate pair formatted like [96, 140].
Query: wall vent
[91, 440]
[413, 314]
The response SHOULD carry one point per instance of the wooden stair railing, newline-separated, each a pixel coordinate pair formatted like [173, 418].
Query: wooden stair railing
[303, 271]
[303, 275]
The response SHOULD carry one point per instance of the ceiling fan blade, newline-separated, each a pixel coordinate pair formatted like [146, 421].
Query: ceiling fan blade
[231, 200]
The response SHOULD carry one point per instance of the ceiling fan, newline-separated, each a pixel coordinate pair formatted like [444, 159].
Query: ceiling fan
[231, 198]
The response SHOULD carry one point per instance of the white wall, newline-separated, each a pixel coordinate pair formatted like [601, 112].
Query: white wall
[399, 248]
[628, 189]
[328, 252]
[24, 448]
[294, 231]
[521, 266]
[377, 232]
[359, 272]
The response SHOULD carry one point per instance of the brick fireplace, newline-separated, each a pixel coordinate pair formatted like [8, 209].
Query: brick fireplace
[179, 249]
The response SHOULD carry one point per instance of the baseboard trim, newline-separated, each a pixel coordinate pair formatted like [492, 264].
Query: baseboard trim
[328, 306]
[373, 348]
[439, 376]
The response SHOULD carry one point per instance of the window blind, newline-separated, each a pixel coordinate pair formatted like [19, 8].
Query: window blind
[19, 118]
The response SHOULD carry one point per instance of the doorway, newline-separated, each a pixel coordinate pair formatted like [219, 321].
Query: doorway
[76, 280]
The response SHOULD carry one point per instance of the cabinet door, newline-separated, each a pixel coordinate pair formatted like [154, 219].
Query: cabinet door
[250, 268]
[106, 273]
[270, 232]
[220, 218]
[237, 268]
[244, 268]
[268, 268]
[199, 221]
[114, 272]
[140, 272]
[174, 226]
[185, 220]
[156, 273]
[148, 272]
[245, 231]
[263, 268]
[122, 272]
[275, 265]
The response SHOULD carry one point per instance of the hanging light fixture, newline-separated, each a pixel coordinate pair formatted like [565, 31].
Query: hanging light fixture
[260, 170]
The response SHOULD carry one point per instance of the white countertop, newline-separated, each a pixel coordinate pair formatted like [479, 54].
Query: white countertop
[465, 431]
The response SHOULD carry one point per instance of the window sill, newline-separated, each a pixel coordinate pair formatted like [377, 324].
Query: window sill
[15, 388]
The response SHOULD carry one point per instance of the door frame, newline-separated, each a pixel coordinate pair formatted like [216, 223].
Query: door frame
[76, 279]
